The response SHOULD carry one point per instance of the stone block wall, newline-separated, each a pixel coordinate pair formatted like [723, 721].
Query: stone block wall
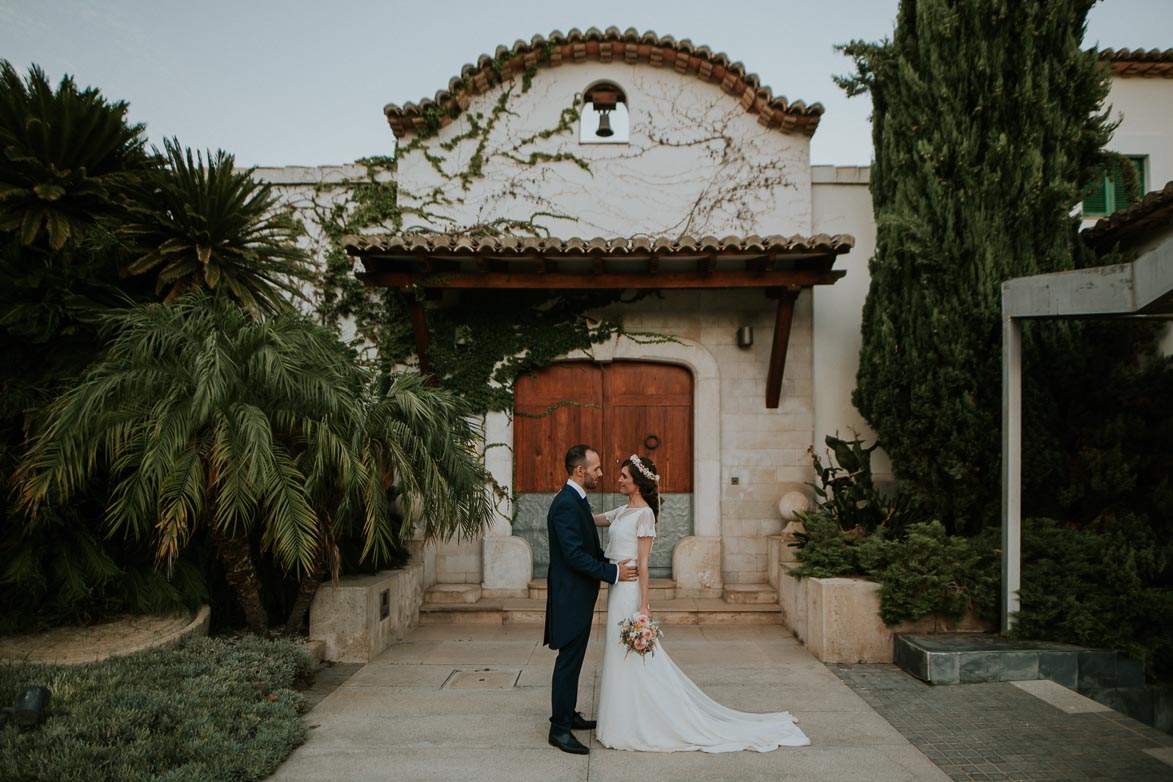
[763, 452]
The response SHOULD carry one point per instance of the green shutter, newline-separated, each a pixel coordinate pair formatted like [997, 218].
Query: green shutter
[1095, 203]
[1107, 197]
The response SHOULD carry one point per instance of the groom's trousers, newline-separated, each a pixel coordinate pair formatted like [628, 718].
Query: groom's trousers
[564, 683]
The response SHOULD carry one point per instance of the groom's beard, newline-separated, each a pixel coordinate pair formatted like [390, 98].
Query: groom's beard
[589, 483]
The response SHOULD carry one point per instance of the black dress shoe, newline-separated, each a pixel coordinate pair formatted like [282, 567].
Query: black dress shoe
[582, 723]
[568, 743]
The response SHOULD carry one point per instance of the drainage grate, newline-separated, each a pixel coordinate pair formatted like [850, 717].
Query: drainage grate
[481, 679]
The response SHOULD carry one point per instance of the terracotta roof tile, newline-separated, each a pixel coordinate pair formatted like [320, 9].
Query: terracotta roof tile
[604, 46]
[416, 243]
[1155, 210]
[1138, 62]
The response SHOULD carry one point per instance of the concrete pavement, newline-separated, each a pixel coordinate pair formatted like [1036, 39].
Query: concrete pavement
[410, 715]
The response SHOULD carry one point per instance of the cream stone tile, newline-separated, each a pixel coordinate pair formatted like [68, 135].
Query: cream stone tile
[407, 652]
[485, 653]
[458, 631]
[406, 675]
[452, 764]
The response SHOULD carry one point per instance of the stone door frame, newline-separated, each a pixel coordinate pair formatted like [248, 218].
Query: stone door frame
[696, 564]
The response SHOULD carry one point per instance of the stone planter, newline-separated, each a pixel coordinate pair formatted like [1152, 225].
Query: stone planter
[838, 619]
[360, 616]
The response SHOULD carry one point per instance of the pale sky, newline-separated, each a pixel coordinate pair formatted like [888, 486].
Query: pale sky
[294, 82]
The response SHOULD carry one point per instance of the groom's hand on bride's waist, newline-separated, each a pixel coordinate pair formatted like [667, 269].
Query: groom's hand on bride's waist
[629, 571]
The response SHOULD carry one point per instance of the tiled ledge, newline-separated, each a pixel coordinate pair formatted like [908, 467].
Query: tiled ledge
[1109, 677]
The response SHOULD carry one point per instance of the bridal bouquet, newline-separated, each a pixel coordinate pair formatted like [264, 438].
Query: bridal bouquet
[639, 633]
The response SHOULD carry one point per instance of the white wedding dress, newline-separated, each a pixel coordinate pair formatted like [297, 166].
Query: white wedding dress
[647, 703]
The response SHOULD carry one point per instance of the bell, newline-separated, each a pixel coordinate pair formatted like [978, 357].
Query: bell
[604, 125]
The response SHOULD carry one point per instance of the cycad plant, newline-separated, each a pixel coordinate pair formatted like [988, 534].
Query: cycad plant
[203, 225]
[204, 418]
[68, 157]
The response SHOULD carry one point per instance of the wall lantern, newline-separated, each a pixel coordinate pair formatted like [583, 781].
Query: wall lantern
[745, 337]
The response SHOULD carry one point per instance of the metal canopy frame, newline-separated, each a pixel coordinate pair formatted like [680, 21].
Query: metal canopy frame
[1141, 289]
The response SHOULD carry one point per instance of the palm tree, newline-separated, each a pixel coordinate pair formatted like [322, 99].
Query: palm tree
[204, 418]
[419, 440]
[202, 225]
[200, 413]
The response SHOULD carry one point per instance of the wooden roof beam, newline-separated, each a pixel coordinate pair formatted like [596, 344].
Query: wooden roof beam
[782, 319]
[606, 280]
[419, 326]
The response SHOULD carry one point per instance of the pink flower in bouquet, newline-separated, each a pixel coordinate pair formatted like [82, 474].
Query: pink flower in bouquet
[640, 644]
[646, 633]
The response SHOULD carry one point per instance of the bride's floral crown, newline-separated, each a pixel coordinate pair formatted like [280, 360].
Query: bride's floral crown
[651, 476]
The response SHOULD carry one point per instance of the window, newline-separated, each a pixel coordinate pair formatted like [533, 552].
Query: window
[1111, 194]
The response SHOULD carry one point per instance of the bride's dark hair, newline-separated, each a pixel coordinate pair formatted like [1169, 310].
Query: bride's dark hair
[648, 488]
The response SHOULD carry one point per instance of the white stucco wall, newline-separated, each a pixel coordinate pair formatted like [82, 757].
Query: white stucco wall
[842, 204]
[696, 163]
[1144, 107]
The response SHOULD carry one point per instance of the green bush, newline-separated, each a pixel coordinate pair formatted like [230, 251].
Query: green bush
[925, 571]
[825, 550]
[1104, 586]
[930, 572]
[207, 710]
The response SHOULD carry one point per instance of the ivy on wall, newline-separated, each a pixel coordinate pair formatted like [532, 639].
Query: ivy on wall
[507, 334]
[516, 332]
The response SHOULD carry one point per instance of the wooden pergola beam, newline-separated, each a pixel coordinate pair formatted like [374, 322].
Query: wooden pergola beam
[419, 326]
[782, 319]
[605, 280]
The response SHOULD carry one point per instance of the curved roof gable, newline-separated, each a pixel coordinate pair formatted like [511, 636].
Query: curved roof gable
[610, 45]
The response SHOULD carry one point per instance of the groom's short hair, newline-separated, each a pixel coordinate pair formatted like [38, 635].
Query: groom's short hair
[576, 456]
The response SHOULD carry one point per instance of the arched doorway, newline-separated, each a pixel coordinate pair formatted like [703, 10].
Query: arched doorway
[620, 408]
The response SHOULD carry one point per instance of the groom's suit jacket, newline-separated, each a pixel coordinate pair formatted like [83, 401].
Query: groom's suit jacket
[576, 568]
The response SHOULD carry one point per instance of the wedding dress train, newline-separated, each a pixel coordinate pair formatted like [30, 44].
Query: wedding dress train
[647, 703]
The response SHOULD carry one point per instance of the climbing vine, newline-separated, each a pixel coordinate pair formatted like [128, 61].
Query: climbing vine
[508, 334]
[504, 335]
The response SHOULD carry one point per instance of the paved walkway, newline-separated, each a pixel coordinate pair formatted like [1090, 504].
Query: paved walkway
[1035, 730]
[412, 715]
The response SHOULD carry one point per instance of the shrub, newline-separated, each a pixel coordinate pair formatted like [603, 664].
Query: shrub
[1104, 586]
[930, 572]
[824, 550]
[208, 710]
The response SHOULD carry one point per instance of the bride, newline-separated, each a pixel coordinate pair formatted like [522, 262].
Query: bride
[647, 703]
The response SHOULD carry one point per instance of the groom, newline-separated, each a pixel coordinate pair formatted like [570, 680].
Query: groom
[576, 568]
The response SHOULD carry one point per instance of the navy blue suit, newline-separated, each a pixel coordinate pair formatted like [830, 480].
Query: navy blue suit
[576, 568]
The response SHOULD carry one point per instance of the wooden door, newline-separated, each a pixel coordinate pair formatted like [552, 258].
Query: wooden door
[647, 411]
[559, 407]
[620, 409]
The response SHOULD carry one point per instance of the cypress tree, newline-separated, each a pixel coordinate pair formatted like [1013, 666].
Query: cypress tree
[987, 125]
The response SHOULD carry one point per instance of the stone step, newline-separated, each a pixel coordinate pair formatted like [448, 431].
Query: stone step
[659, 589]
[750, 593]
[687, 611]
[443, 594]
